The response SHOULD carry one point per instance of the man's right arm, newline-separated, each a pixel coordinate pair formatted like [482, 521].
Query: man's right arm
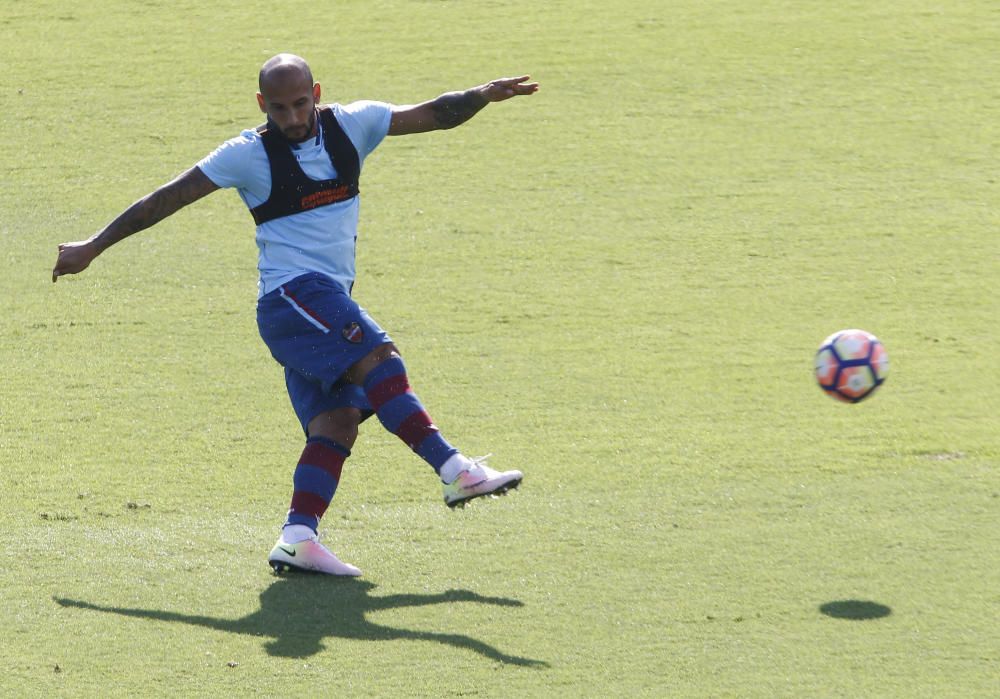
[186, 188]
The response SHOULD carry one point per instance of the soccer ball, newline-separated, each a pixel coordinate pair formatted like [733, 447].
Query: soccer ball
[851, 364]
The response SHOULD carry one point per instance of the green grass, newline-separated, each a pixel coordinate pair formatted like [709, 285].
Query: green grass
[616, 285]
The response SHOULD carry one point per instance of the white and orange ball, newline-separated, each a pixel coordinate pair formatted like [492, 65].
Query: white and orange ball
[851, 364]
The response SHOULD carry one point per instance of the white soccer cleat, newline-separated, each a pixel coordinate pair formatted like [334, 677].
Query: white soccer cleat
[308, 556]
[478, 480]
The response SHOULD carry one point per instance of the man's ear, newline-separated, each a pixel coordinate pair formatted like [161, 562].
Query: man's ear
[260, 102]
[316, 93]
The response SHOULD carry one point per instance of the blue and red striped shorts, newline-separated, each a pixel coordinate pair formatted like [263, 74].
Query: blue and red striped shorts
[316, 331]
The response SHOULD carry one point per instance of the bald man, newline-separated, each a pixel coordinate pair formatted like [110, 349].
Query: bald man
[298, 175]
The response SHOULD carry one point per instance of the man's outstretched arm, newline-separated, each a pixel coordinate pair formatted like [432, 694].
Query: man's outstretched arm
[454, 108]
[188, 187]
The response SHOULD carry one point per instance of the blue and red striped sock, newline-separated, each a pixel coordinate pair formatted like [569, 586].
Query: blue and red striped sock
[401, 412]
[315, 480]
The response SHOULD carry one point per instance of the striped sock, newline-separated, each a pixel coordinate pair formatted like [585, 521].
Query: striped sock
[401, 412]
[315, 480]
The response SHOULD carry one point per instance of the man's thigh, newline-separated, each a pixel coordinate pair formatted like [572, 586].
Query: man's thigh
[313, 327]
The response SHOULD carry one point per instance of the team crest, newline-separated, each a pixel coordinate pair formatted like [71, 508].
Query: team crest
[353, 333]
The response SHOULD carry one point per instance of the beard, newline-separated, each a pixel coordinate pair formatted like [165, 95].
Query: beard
[296, 134]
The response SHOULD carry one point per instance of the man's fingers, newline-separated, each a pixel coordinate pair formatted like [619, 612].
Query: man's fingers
[505, 88]
[518, 85]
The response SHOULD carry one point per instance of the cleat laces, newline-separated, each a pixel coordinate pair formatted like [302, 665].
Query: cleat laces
[479, 462]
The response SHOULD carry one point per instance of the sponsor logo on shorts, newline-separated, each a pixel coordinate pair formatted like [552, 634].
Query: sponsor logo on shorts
[353, 333]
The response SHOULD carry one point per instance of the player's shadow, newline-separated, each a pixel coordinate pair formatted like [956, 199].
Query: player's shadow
[298, 612]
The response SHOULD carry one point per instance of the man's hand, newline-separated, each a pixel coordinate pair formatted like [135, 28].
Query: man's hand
[73, 258]
[505, 88]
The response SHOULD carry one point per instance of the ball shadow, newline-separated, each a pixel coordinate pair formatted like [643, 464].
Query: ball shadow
[855, 609]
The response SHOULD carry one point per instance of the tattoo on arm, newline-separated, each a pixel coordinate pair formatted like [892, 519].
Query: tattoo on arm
[149, 210]
[155, 207]
[454, 108]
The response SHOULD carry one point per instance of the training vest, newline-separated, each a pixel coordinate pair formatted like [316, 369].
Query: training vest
[292, 191]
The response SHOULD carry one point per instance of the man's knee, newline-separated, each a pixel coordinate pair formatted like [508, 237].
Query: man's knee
[357, 373]
[340, 425]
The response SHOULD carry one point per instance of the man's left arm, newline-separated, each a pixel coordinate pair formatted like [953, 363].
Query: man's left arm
[454, 108]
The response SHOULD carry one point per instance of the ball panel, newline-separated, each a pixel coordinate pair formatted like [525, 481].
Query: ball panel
[880, 361]
[853, 344]
[826, 367]
[856, 382]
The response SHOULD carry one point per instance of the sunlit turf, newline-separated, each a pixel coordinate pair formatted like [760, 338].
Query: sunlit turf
[616, 285]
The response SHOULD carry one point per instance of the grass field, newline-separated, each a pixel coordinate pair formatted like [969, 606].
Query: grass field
[616, 285]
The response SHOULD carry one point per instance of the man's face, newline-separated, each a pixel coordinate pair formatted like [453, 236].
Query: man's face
[291, 105]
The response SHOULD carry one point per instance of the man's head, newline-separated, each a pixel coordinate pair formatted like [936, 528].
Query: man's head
[288, 96]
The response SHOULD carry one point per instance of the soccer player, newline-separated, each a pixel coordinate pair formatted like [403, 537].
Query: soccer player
[298, 175]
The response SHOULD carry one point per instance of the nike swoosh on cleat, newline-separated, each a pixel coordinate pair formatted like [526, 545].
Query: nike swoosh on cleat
[290, 553]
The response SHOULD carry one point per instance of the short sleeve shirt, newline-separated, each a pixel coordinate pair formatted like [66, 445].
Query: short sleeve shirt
[318, 240]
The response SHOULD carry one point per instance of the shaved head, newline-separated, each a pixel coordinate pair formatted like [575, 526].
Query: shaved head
[284, 69]
[288, 96]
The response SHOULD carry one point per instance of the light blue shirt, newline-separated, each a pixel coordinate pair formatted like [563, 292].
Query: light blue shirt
[321, 239]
